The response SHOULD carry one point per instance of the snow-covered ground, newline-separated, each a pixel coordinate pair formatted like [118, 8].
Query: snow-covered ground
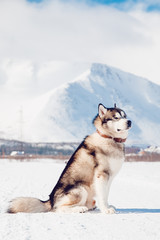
[135, 193]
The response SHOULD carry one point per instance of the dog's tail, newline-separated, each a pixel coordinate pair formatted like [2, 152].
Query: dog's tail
[29, 205]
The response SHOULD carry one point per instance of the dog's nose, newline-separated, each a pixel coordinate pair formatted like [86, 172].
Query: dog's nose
[129, 123]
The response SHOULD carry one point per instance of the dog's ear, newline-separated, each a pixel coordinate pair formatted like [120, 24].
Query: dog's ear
[101, 110]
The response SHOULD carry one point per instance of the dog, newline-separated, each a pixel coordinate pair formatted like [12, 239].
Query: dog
[89, 172]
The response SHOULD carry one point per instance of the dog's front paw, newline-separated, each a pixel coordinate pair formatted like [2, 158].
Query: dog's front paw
[109, 210]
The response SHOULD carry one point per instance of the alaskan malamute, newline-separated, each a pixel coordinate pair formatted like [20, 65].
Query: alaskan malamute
[89, 172]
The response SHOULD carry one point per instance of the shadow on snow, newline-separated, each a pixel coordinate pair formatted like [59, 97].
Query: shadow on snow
[131, 210]
[137, 210]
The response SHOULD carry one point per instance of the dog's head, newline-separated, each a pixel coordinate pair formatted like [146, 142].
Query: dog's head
[113, 121]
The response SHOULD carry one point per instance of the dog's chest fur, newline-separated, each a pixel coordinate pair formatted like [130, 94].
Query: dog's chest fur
[109, 154]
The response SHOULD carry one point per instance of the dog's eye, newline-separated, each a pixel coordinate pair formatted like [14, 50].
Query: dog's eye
[116, 118]
[106, 120]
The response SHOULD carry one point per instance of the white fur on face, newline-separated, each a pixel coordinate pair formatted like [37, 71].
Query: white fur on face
[118, 126]
[122, 114]
[117, 115]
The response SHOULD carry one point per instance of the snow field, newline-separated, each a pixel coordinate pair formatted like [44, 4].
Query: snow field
[135, 193]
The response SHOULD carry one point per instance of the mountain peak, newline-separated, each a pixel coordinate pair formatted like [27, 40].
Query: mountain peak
[68, 114]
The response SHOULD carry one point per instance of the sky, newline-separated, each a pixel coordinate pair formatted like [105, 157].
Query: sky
[148, 5]
[123, 34]
[37, 35]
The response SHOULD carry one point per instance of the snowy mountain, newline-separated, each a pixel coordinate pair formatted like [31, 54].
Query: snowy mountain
[68, 113]
[152, 149]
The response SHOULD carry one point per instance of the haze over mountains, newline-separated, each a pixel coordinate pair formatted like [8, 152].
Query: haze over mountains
[68, 113]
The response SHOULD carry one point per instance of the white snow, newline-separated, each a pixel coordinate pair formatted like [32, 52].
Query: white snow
[135, 193]
[152, 149]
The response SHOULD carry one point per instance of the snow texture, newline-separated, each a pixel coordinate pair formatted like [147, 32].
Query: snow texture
[135, 193]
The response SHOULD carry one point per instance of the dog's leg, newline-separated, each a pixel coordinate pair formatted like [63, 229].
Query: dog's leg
[102, 186]
[91, 204]
[73, 202]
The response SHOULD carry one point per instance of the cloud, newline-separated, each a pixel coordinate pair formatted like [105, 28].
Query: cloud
[76, 31]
